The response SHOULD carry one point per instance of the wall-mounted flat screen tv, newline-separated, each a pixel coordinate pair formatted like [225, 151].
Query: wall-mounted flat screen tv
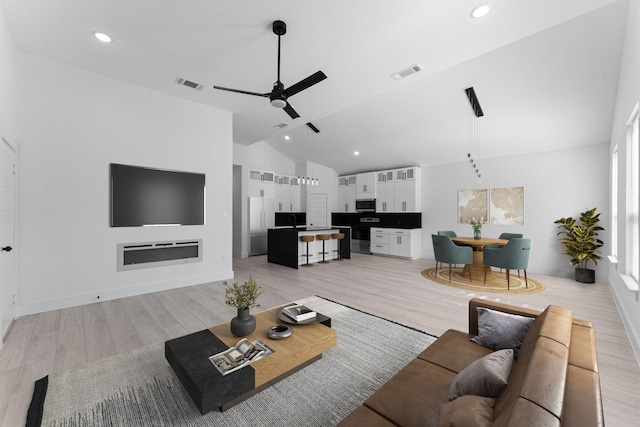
[142, 196]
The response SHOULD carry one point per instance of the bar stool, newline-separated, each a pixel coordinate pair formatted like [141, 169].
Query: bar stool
[338, 237]
[323, 237]
[307, 239]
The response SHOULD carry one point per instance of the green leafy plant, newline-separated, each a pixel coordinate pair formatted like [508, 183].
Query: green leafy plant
[580, 240]
[242, 296]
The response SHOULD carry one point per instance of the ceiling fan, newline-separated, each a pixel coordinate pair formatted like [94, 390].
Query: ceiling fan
[279, 95]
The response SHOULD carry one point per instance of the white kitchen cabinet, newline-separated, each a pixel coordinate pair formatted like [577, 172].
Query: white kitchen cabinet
[396, 242]
[379, 241]
[407, 190]
[385, 191]
[261, 184]
[347, 193]
[287, 193]
[366, 185]
[283, 193]
[295, 193]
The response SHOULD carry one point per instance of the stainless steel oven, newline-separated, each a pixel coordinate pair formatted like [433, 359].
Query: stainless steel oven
[365, 205]
[361, 235]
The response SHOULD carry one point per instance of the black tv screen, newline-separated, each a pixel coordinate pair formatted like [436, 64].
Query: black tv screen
[143, 196]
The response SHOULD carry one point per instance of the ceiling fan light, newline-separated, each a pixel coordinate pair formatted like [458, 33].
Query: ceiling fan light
[278, 103]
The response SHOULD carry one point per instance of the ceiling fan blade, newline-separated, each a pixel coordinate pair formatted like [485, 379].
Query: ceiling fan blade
[305, 83]
[290, 111]
[241, 91]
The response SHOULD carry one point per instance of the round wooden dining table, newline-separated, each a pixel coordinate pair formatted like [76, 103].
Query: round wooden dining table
[478, 268]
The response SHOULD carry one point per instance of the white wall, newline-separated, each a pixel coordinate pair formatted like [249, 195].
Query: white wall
[556, 184]
[72, 124]
[7, 78]
[628, 95]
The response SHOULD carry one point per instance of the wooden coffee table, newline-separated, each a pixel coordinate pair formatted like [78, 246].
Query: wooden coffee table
[188, 356]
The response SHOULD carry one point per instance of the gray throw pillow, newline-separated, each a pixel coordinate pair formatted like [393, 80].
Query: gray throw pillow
[486, 376]
[498, 330]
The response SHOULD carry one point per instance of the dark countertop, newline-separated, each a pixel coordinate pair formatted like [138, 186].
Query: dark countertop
[309, 228]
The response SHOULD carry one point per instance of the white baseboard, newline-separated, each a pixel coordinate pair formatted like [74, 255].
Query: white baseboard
[111, 294]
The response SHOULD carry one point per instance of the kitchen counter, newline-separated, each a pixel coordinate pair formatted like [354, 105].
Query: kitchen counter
[285, 247]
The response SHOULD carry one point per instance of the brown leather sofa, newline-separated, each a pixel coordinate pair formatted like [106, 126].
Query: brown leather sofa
[554, 381]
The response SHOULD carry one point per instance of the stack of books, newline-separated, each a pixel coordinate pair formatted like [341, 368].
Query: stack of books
[299, 312]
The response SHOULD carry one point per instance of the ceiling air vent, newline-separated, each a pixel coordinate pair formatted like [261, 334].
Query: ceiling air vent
[188, 83]
[281, 125]
[406, 72]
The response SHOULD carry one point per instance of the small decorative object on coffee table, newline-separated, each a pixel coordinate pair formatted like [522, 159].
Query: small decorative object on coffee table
[278, 332]
[299, 312]
[242, 297]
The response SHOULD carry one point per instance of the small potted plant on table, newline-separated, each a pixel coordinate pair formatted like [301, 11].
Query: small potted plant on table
[242, 297]
[581, 243]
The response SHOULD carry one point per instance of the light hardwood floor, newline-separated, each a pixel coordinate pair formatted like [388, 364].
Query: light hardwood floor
[45, 343]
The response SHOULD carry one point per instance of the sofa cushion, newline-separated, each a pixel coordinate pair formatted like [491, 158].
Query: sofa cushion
[583, 352]
[467, 411]
[539, 376]
[363, 416]
[555, 323]
[466, 352]
[414, 395]
[582, 399]
[485, 377]
[525, 413]
[497, 330]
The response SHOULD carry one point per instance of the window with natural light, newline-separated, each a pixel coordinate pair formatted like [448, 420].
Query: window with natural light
[633, 207]
[614, 204]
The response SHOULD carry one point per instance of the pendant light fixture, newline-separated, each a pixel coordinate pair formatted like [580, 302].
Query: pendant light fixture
[307, 139]
[473, 150]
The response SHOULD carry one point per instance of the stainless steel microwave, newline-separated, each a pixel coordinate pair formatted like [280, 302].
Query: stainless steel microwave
[366, 205]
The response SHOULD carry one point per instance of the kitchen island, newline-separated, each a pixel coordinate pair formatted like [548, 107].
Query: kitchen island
[286, 248]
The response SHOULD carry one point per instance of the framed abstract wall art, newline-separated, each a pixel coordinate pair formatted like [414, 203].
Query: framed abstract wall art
[507, 206]
[472, 204]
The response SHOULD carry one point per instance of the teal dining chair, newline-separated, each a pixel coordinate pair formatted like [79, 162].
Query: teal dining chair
[506, 236]
[447, 233]
[512, 256]
[447, 251]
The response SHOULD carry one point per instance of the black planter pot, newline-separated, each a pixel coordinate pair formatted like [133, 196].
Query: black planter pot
[243, 324]
[585, 275]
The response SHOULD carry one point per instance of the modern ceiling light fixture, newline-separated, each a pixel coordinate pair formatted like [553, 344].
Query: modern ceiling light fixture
[473, 152]
[480, 11]
[102, 37]
[278, 97]
[407, 72]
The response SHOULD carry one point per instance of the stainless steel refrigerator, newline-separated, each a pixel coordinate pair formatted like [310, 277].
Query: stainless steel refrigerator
[262, 212]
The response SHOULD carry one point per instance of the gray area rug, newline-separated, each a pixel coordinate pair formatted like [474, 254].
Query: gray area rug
[139, 388]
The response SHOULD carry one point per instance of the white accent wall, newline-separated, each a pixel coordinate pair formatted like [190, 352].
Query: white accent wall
[72, 124]
[628, 95]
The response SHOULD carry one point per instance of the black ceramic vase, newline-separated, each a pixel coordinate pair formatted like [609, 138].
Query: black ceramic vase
[243, 324]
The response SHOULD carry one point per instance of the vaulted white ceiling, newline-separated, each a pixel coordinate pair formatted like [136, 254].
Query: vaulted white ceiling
[545, 71]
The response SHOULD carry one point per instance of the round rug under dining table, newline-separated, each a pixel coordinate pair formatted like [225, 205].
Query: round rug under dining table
[497, 285]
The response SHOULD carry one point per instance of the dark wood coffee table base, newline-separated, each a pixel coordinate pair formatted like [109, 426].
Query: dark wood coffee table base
[189, 358]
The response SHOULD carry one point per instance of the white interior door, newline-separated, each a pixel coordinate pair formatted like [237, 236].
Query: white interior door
[7, 237]
[317, 210]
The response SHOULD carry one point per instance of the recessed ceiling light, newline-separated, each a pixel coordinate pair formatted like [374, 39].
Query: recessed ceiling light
[480, 11]
[102, 37]
[287, 137]
[356, 153]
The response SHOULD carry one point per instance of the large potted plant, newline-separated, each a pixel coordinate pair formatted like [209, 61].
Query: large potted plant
[581, 243]
[242, 297]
